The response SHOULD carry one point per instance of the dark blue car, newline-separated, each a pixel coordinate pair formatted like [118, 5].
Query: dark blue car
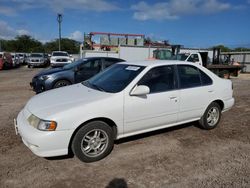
[75, 72]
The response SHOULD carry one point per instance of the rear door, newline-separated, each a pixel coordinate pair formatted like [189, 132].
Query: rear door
[196, 92]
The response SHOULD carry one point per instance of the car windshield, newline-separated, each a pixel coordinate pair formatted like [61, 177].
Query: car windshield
[74, 64]
[180, 57]
[36, 55]
[115, 78]
[60, 54]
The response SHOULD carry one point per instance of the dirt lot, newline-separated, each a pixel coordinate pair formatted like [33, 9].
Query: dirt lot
[185, 156]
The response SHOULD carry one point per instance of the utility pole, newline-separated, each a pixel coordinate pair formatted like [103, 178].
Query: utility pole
[59, 19]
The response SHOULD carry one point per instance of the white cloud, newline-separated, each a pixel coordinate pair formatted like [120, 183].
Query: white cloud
[77, 35]
[23, 32]
[7, 11]
[173, 9]
[7, 32]
[57, 6]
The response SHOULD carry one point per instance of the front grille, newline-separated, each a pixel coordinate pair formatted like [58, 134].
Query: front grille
[61, 60]
[34, 60]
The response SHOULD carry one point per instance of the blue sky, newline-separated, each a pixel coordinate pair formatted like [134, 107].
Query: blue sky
[193, 23]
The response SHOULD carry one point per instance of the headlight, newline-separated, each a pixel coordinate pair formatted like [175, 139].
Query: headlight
[42, 125]
[45, 77]
[47, 125]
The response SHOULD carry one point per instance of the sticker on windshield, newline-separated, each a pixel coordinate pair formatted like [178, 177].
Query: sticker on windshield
[132, 68]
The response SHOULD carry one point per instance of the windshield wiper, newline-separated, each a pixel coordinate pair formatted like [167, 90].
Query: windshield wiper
[93, 86]
[97, 87]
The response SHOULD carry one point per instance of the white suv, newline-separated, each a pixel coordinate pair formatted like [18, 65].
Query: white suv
[124, 100]
[60, 58]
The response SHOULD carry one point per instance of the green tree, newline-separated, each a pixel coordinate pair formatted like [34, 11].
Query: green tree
[69, 45]
[223, 48]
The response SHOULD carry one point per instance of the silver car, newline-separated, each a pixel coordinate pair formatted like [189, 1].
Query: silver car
[37, 60]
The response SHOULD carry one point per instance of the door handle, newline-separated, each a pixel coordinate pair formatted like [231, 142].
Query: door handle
[210, 91]
[172, 97]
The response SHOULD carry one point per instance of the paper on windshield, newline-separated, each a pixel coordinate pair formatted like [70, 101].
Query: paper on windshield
[132, 68]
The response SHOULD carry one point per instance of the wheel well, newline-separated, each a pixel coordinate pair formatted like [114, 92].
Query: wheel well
[110, 122]
[220, 103]
[60, 80]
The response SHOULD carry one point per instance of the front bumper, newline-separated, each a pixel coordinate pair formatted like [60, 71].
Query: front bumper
[42, 143]
[37, 85]
[58, 64]
[37, 64]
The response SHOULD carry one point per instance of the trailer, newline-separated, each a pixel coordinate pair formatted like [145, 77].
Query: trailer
[221, 67]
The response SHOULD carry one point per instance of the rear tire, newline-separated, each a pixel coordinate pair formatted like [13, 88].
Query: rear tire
[93, 141]
[61, 83]
[211, 117]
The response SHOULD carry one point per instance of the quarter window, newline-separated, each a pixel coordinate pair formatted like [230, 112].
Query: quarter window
[159, 79]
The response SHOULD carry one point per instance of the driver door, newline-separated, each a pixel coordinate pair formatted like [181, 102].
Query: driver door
[158, 108]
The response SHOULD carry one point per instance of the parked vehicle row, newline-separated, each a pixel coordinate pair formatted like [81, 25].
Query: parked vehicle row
[126, 99]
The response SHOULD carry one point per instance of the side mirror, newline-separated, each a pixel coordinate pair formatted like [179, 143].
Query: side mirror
[70, 55]
[76, 69]
[140, 90]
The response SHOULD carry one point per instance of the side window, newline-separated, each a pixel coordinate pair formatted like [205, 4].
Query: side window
[108, 62]
[206, 80]
[193, 58]
[92, 65]
[159, 79]
[189, 76]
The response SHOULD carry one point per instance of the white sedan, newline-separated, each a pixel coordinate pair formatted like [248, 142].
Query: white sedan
[126, 99]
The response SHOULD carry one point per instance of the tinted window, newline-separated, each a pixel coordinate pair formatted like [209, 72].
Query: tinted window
[115, 78]
[189, 76]
[91, 65]
[206, 80]
[159, 79]
[109, 62]
[36, 55]
[60, 54]
[1, 55]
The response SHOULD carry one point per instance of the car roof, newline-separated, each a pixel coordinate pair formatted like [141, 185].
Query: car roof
[152, 63]
[60, 51]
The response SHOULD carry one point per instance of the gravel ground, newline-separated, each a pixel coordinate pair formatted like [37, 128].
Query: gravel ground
[184, 156]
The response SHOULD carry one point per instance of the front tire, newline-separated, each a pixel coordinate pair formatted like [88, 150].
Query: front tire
[61, 83]
[93, 141]
[211, 117]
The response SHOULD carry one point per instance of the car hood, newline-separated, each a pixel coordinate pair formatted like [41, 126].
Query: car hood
[49, 71]
[58, 100]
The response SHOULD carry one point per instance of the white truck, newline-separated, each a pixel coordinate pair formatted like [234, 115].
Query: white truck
[216, 65]
[60, 58]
